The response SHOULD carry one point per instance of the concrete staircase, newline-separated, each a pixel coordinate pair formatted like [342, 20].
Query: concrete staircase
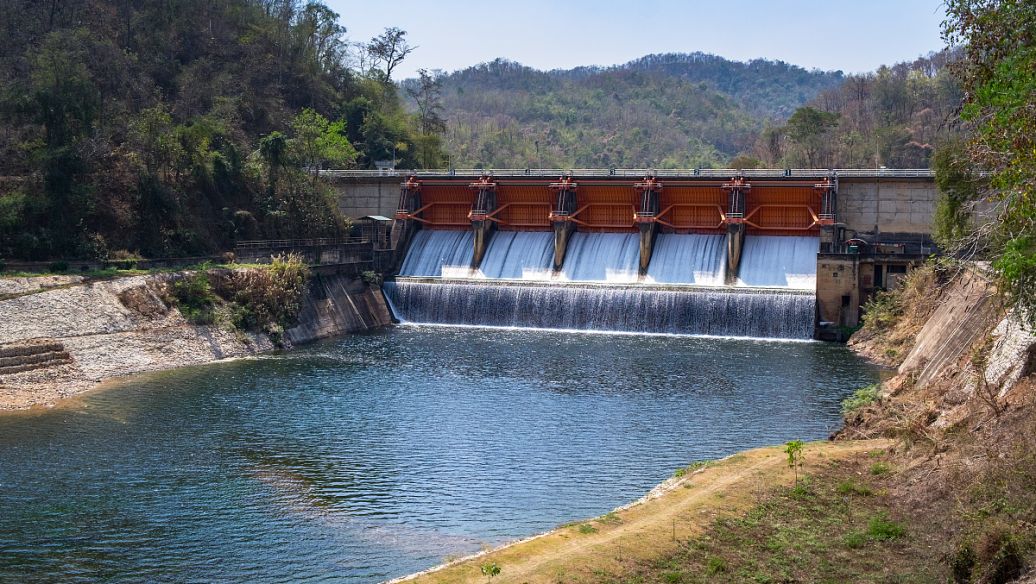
[32, 355]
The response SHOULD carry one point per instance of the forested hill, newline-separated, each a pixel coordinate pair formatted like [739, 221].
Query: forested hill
[177, 127]
[669, 110]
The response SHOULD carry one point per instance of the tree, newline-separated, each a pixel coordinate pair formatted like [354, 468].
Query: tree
[998, 74]
[318, 141]
[808, 127]
[386, 51]
[428, 97]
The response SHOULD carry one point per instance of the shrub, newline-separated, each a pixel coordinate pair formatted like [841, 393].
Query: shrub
[194, 297]
[58, 267]
[881, 528]
[860, 398]
[880, 468]
[269, 298]
[3, 266]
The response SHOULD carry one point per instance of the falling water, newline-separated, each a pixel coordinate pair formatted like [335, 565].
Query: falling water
[688, 259]
[779, 261]
[599, 287]
[602, 257]
[637, 308]
[435, 253]
[518, 255]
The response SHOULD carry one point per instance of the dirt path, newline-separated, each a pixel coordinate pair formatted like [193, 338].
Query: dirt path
[678, 509]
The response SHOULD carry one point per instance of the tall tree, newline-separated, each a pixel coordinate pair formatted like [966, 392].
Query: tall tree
[808, 127]
[386, 51]
[998, 73]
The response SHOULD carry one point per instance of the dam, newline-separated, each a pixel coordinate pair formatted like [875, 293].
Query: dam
[760, 253]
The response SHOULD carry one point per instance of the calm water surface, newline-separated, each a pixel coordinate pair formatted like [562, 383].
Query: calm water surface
[380, 454]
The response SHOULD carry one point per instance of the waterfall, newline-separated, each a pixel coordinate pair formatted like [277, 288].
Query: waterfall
[688, 259]
[636, 308]
[518, 255]
[436, 254]
[779, 261]
[602, 257]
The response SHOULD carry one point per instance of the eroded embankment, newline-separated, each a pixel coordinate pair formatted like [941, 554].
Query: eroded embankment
[61, 336]
[654, 527]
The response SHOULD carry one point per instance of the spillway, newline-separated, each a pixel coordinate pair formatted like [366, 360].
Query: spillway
[599, 287]
[780, 262]
[439, 254]
[602, 257]
[641, 309]
[518, 255]
[688, 259]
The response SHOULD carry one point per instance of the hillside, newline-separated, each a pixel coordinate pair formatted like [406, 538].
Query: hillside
[676, 110]
[129, 128]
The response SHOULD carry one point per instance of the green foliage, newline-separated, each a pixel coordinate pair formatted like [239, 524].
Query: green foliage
[490, 569]
[268, 298]
[881, 528]
[809, 127]
[194, 297]
[880, 468]
[794, 451]
[586, 529]
[860, 398]
[850, 487]
[664, 111]
[957, 188]
[317, 142]
[998, 72]
[127, 125]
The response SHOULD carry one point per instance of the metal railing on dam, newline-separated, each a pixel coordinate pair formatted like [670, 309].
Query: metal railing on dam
[900, 173]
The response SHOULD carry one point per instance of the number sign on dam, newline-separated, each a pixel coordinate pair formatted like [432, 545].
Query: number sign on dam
[762, 253]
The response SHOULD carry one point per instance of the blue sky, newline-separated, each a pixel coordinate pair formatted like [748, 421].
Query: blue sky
[854, 36]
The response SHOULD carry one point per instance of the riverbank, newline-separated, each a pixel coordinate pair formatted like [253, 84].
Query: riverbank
[930, 480]
[62, 335]
[674, 515]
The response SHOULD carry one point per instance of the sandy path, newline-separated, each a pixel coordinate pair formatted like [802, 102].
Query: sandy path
[646, 529]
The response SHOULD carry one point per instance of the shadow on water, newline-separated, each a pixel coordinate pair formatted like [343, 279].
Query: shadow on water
[378, 454]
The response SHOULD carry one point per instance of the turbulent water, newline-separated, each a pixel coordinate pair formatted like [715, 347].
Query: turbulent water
[779, 261]
[377, 455]
[606, 308]
[688, 259]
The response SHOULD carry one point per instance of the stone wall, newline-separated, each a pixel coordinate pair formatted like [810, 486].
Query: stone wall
[336, 305]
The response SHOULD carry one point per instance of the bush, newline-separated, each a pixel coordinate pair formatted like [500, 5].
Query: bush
[268, 298]
[3, 266]
[58, 267]
[861, 398]
[194, 297]
[881, 528]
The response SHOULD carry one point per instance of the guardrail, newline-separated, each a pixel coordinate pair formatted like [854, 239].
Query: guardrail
[291, 243]
[642, 172]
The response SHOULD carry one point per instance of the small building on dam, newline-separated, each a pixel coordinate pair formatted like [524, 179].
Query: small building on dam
[786, 253]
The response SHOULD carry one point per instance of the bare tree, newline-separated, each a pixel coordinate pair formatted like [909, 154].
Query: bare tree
[427, 94]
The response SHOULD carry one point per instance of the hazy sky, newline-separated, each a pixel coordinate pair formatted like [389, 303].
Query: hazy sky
[851, 35]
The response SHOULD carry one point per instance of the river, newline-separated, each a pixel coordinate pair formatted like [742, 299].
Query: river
[376, 455]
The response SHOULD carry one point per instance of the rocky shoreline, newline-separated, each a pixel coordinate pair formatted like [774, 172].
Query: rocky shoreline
[101, 330]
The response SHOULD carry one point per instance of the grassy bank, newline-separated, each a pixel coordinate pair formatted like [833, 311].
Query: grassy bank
[692, 528]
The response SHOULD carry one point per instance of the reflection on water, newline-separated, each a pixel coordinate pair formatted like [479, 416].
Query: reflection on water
[380, 454]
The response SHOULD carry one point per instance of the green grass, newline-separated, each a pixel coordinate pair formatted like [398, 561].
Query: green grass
[836, 525]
